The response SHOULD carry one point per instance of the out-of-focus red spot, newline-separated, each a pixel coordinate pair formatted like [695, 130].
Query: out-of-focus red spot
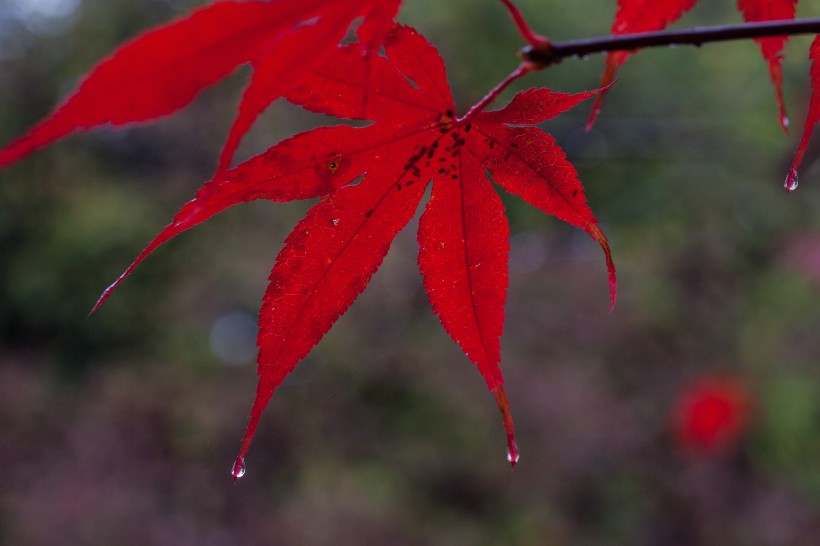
[712, 414]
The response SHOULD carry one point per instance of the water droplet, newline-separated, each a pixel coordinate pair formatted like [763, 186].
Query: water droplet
[785, 121]
[512, 457]
[335, 221]
[238, 469]
[791, 181]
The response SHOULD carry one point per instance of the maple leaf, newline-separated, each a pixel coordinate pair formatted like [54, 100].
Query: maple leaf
[635, 16]
[812, 116]
[162, 70]
[330, 256]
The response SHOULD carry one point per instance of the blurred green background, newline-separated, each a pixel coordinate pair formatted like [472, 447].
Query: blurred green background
[121, 428]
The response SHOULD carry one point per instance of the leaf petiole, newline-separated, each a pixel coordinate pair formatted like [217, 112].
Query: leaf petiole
[535, 40]
[523, 69]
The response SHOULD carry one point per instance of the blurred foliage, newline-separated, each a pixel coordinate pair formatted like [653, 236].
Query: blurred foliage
[120, 428]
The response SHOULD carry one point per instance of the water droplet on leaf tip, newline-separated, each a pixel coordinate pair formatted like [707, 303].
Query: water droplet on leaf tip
[238, 469]
[791, 182]
[512, 457]
[785, 121]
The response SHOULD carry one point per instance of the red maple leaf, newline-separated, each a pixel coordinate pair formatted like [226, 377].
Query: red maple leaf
[812, 116]
[162, 70]
[332, 253]
[650, 15]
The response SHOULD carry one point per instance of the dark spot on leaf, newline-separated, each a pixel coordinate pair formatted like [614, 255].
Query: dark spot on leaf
[445, 122]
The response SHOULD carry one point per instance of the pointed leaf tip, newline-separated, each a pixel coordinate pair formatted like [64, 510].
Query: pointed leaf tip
[776, 70]
[595, 232]
[104, 296]
[504, 405]
[165, 235]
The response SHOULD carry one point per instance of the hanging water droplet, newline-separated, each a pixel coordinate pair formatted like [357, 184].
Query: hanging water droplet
[791, 181]
[238, 469]
[785, 121]
[512, 457]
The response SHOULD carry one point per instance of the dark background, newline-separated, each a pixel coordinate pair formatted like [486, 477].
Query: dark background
[121, 428]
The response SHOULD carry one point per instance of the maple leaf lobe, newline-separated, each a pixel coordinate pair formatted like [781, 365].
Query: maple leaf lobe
[771, 47]
[163, 69]
[812, 116]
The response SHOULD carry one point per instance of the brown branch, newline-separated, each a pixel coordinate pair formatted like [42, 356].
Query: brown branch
[555, 52]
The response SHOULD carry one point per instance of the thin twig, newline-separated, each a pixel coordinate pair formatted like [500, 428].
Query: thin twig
[557, 51]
